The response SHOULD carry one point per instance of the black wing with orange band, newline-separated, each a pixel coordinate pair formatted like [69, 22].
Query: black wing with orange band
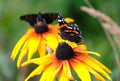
[69, 32]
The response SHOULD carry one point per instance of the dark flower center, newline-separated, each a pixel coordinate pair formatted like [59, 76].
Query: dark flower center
[41, 27]
[64, 51]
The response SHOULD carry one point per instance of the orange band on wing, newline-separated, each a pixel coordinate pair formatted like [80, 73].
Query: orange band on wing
[71, 31]
[64, 25]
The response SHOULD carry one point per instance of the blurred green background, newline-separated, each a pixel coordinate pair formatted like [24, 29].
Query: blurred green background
[12, 28]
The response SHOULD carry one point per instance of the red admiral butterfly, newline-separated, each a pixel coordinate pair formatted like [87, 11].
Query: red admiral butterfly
[40, 20]
[69, 32]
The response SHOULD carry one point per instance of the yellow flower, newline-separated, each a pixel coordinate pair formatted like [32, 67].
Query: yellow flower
[67, 59]
[35, 39]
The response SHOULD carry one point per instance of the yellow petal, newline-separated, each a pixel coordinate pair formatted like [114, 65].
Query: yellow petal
[53, 30]
[54, 70]
[35, 72]
[42, 60]
[21, 42]
[33, 45]
[95, 53]
[101, 65]
[56, 26]
[42, 48]
[50, 73]
[66, 68]
[99, 77]
[94, 65]
[72, 44]
[22, 53]
[69, 20]
[63, 76]
[80, 69]
[43, 77]
[30, 31]
[80, 49]
[51, 41]
[17, 47]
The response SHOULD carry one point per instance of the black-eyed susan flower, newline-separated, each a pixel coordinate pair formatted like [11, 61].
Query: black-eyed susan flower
[36, 38]
[67, 59]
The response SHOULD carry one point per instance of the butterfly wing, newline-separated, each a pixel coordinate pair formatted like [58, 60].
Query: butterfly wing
[50, 17]
[30, 18]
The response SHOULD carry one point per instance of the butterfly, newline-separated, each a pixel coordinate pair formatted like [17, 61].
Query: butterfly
[69, 32]
[32, 19]
[39, 21]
